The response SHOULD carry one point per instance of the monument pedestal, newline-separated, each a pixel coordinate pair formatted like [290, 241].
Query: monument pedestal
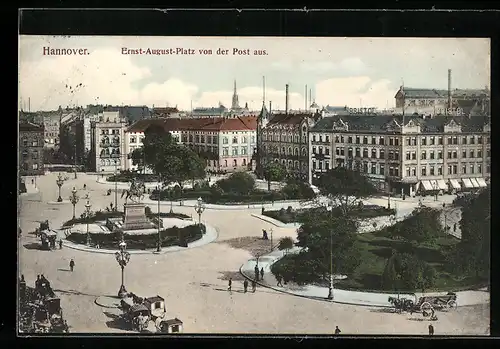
[135, 217]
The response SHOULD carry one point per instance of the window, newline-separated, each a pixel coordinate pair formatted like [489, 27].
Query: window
[319, 148]
[455, 155]
[479, 168]
[381, 141]
[243, 150]
[472, 140]
[365, 167]
[35, 143]
[488, 153]
[464, 140]
[374, 140]
[35, 166]
[433, 140]
[440, 140]
[225, 152]
[341, 139]
[244, 139]
[252, 139]
[337, 139]
[202, 139]
[449, 169]
[381, 154]
[349, 152]
[349, 139]
[471, 154]
[373, 168]
[488, 168]
[408, 141]
[391, 155]
[314, 138]
[337, 151]
[414, 171]
[479, 139]
[488, 140]
[472, 168]
[314, 165]
[450, 140]
[431, 155]
[374, 153]
[314, 150]
[408, 155]
[382, 169]
[396, 141]
[133, 139]
[235, 140]
[407, 171]
[424, 171]
[365, 152]
[449, 154]
[479, 153]
[455, 140]
[431, 170]
[235, 163]
[357, 139]
[327, 151]
[224, 139]
[440, 154]
[464, 169]
[342, 151]
[440, 171]
[391, 142]
[358, 152]
[414, 155]
[197, 138]
[423, 156]
[423, 141]
[327, 165]
[455, 169]
[365, 140]
[464, 154]
[34, 154]
[414, 141]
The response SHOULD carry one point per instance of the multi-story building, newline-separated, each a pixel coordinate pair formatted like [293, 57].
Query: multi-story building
[226, 143]
[406, 154]
[109, 143]
[51, 128]
[31, 141]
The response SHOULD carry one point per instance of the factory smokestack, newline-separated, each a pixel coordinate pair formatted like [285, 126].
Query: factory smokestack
[449, 88]
[305, 99]
[270, 106]
[310, 95]
[286, 99]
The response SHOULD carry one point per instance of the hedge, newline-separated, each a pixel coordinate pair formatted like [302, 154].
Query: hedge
[102, 216]
[209, 197]
[173, 236]
[127, 176]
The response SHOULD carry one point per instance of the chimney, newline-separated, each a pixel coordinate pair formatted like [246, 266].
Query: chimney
[286, 99]
[449, 88]
[270, 105]
[305, 96]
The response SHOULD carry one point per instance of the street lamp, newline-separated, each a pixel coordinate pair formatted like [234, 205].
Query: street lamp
[330, 287]
[87, 216]
[199, 208]
[158, 188]
[122, 257]
[59, 182]
[116, 186]
[74, 200]
[271, 231]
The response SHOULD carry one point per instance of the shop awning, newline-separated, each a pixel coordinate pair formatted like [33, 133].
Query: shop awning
[454, 183]
[434, 184]
[426, 184]
[442, 184]
[467, 183]
[474, 182]
[481, 182]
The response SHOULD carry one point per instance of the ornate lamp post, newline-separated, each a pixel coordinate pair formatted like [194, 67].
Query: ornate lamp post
[158, 248]
[330, 286]
[59, 182]
[122, 257]
[74, 200]
[87, 216]
[271, 233]
[199, 208]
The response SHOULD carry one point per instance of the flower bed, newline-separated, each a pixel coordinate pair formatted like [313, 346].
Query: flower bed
[103, 216]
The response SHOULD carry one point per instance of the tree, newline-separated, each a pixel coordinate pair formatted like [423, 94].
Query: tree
[295, 189]
[240, 183]
[390, 276]
[138, 159]
[423, 225]
[274, 171]
[285, 243]
[344, 187]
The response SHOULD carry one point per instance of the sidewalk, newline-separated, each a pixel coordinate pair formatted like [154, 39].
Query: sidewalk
[464, 298]
[210, 236]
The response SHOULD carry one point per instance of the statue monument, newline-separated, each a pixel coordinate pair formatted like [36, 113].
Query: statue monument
[135, 211]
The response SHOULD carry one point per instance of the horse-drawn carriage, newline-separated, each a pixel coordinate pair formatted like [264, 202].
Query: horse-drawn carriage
[136, 314]
[46, 316]
[426, 305]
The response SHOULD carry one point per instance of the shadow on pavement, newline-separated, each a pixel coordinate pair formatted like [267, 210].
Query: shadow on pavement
[116, 322]
[34, 246]
[62, 269]
[78, 293]
[384, 310]
[418, 319]
[235, 275]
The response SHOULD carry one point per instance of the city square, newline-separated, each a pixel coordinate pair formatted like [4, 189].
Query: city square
[194, 281]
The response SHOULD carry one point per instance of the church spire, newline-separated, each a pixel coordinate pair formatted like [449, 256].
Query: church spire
[235, 104]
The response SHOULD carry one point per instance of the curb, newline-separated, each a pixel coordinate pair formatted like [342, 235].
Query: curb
[165, 250]
[275, 222]
[104, 306]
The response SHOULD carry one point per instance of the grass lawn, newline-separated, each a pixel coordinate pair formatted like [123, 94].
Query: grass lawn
[376, 249]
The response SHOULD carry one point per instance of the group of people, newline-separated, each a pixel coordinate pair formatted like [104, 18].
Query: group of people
[245, 285]
[259, 273]
[42, 286]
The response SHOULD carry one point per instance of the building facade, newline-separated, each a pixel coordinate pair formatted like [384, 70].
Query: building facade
[51, 128]
[31, 142]
[284, 138]
[406, 155]
[109, 143]
[226, 143]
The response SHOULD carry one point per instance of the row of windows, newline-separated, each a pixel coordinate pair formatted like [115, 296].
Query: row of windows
[374, 154]
[133, 139]
[34, 154]
[284, 150]
[34, 143]
[215, 163]
[452, 169]
[284, 138]
[110, 162]
[234, 151]
[26, 166]
[110, 132]
[452, 154]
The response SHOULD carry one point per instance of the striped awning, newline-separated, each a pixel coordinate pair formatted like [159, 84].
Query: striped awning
[434, 184]
[454, 183]
[481, 182]
[442, 184]
[426, 184]
[474, 182]
[467, 183]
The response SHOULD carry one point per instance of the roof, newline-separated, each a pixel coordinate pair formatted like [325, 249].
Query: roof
[377, 123]
[138, 307]
[240, 123]
[26, 126]
[439, 93]
[132, 113]
[154, 299]
[175, 321]
[288, 119]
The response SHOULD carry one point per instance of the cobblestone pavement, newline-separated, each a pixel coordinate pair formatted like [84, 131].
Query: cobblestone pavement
[193, 282]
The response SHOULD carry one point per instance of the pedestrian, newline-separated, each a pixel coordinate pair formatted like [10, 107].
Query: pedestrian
[229, 284]
[254, 286]
[431, 330]
[279, 278]
[262, 273]
[60, 244]
[454, 227]
[337, 330]
[32, 181]
[84, 186]
[256, 270]
[245, 285]
[71, 264]
[37, 282]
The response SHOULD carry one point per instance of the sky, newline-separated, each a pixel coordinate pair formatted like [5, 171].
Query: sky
[354, 72]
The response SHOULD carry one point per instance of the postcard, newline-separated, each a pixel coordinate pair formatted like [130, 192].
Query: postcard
[254, 185]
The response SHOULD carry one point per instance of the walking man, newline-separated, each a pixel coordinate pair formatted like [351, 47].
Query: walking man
[262, 273]
[229, 284]
[337, 330]
[84, 186]
[279, 278]
[254, 286]
[245, 285]
[256, 269]
[60, 244]
[431, 330]
[71, 264]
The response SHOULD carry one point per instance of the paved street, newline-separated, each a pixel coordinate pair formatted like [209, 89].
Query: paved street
[194, 281]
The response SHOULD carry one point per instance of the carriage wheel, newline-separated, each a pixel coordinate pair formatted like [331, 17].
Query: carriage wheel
[451, 305]
[426, 309]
